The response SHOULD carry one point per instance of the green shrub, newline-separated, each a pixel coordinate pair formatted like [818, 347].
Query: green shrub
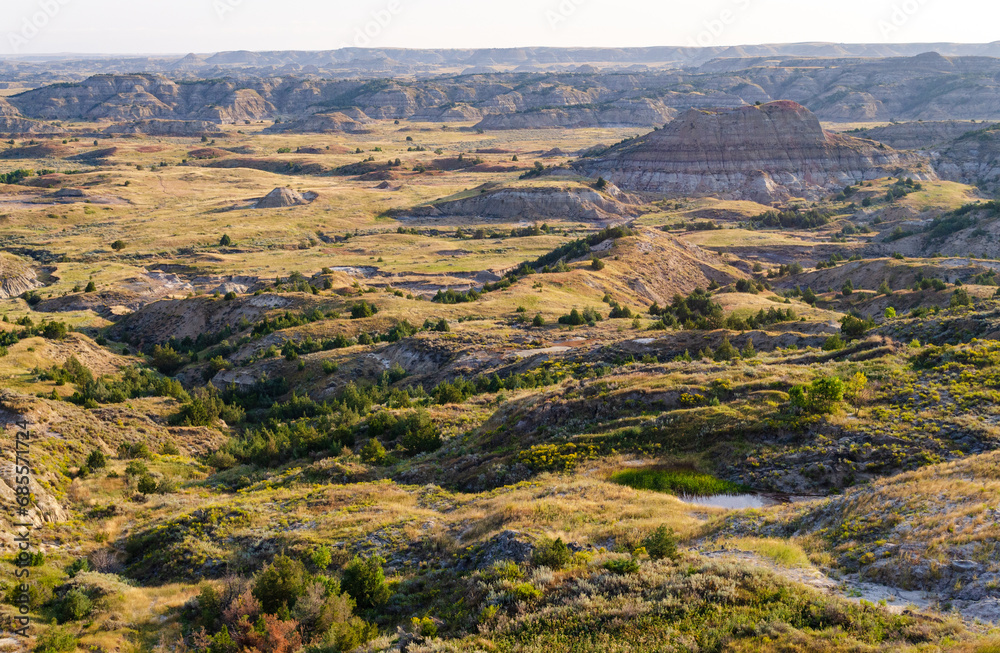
[96, 460]
[961, 298]
[221, 460]
[167, 360]
[134, 451]
[146, 484]
[78, 565]
[55, 640]
[834, 343]
[823, 395]
[74, 606]
[419, 435]
[54, 330]
[373, 453]
[321, 557]
[726, 351]
[364, 581]
[661, 543]
[362, 309]
[424, 627]
[622, 566]
[280, 584]
[526, 592]
[855, 327]
[553, 554]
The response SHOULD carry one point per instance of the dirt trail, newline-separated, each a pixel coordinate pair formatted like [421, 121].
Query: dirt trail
[894, 599]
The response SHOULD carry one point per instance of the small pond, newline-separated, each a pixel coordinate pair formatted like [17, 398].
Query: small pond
[742, 501]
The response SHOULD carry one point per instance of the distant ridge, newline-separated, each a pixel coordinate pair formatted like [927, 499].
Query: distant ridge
[404, 61]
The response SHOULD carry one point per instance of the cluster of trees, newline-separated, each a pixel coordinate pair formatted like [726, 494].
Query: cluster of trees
[725, 352]
[413, 430]
[785, 270]
[696, 311]
[574, 249]
[130, 383]
[749, 286]
[794, 218]
[761, 319]
[451, 296]
[960, 219]
[48, 329]
[287, 321]
[16, 176]
[578, 318]
[457, 391]
[536, 171]
[296, 282]
[902, 188]
[205, 408]
[286, 608]
[363, 309]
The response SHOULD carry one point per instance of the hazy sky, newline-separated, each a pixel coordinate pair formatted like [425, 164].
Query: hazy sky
[181, 26]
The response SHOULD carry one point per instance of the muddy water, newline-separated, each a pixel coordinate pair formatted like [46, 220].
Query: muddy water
[743, 501]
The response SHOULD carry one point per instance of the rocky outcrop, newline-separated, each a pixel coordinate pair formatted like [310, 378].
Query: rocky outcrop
[8, 110]
[352, 121]
[162, 128]
[16, 276]
[123, 98]
[43, 509]
[623, 113]
[448, 113]
[973, 158]
[284, 197]
[159, 321]
[918, 135]
[763, 153]
[568, 202]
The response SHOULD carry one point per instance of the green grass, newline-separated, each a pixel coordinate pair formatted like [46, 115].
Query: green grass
[681, 482]
[781, 552]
